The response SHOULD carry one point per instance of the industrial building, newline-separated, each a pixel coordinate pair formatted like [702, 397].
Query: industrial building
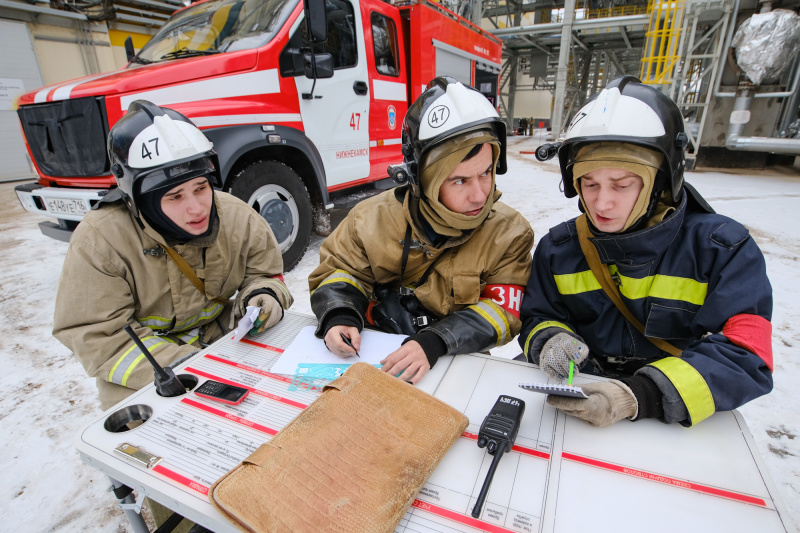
[732, 65]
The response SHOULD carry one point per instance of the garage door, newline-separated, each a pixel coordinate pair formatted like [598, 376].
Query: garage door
[19, 73]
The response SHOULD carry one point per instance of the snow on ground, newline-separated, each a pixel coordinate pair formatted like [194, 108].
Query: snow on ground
[47, 399]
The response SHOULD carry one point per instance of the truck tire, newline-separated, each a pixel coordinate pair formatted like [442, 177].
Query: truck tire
[280, 196]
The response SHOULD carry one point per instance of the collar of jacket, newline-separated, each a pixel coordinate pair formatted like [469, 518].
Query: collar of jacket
[641, 246]
[418, 231]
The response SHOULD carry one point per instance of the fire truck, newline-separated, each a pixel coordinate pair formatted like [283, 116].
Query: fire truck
[304, 103]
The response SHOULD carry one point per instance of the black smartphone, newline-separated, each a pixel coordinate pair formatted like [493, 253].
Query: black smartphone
[222, 392]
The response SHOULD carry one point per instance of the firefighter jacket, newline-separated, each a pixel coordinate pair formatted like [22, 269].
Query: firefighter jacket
[696, 280]
[474, 287]
[116, 273]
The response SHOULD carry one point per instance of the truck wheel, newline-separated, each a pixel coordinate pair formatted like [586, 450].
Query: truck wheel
[280, 196]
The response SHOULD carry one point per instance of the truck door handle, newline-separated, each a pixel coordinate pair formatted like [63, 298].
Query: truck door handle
[360, 88]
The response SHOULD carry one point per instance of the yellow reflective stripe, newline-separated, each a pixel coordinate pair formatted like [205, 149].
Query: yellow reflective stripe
[287, 297]
[188, 336]
[658, 286]
[154, 322]
[132, 356]
[691, 386]
[207, 313]
[188, 339]
[540, 327]
[127, 374]
[494, 315]
[341, 275]
[667, 287]
[577, 283]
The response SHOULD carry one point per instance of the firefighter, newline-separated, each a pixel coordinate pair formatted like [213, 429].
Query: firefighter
[117, 271]
[438, 259]
[690, 333]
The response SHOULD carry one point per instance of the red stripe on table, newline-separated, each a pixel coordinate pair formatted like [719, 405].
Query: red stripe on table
[516, 448]
[249, 368]
[666, 480]
[232, 418]
[267, 346]
[458, 517]
[259, 392]
[174, 476]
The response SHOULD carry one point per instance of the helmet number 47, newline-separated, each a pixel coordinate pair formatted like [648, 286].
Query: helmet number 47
[146, 153]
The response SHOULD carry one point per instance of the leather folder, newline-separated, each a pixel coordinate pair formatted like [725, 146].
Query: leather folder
[353, 461]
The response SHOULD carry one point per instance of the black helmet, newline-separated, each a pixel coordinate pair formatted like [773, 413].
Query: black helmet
[153, 148]
[629, 111]
[445, 109]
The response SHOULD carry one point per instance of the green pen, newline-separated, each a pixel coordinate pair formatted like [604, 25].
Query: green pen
[571, 368]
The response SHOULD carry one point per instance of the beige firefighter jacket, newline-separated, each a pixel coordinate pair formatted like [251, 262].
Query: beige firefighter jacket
[116, 273]
[477, 284]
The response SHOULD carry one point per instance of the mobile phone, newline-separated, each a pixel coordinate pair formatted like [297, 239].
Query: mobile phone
[222, 392]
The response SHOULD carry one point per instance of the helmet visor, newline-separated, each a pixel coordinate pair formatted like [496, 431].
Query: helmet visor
[168, 177]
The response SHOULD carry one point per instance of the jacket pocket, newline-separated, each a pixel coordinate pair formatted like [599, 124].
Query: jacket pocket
[664, 322]
[466, 289]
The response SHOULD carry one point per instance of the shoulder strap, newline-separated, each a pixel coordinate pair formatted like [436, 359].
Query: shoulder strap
[189, 273]
[603, 276]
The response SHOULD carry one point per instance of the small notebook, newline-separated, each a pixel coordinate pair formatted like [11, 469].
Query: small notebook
[559, 390]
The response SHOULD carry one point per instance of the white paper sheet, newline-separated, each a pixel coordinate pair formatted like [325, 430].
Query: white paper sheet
[306, 348]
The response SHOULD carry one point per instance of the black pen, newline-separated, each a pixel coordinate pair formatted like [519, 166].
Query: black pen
[350, 344]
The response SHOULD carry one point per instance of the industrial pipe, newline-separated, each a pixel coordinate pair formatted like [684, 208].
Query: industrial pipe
[741, 116]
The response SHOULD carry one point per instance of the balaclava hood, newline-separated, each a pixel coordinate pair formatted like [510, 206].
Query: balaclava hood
[636, 159]
[150, 207]
[439, 164]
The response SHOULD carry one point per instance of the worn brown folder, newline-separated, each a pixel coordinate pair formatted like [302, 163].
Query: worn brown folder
[353, 461]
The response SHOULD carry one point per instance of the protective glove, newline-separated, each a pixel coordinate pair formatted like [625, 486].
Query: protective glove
[608, 402]
[558, 351]
[270, 314]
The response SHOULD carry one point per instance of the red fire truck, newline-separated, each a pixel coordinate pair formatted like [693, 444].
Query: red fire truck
[295, 137]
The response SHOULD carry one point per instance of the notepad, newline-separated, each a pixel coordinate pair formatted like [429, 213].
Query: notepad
[559, 390]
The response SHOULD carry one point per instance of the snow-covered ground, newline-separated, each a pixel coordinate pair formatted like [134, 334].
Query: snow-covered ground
[46, 398]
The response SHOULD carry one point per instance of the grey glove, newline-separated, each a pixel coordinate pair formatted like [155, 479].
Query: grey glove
[558, 351]
[608, 402]
[270, 314]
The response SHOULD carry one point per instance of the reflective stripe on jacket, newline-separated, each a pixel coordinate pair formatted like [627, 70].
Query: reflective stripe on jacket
[115, 274]
[366, 249]
[683, 279]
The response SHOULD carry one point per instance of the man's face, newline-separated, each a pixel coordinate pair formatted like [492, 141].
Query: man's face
[188, 205]
[610, 195]
[467, 188]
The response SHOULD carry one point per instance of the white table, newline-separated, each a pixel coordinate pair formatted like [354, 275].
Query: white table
[562, 475]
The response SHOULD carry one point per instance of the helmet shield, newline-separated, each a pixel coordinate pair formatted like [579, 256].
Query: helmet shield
[169, 177]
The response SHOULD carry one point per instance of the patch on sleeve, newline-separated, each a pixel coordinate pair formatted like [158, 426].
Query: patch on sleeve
[509, 297]
[730, 234]
[753, 333]
[560, 233]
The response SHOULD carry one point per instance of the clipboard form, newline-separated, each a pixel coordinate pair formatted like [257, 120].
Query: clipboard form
[552, 388]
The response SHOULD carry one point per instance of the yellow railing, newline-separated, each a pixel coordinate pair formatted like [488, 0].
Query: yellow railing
[618, 11]
[663, 35]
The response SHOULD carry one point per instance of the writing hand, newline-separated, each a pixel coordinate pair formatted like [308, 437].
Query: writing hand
[335, 344]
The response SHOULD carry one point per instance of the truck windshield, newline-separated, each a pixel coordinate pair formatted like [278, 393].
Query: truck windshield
[217, 26]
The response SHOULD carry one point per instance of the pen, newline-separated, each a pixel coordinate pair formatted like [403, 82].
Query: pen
[571, 368]
[350, 344]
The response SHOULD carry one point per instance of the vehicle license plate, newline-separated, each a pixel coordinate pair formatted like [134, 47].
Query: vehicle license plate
[60, 206]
